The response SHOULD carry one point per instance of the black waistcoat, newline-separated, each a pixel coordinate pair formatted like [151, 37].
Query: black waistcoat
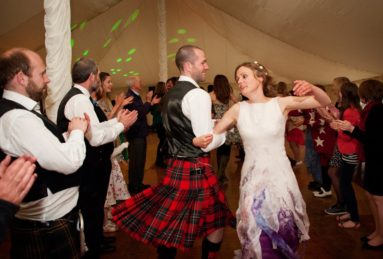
[45, 178]
[179, 132]
[101, 153]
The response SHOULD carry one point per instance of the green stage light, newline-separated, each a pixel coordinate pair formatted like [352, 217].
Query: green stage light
[173, 40]
[106, 44]
[116, 25]
[82, 25]
[132, 51]
[181, 31]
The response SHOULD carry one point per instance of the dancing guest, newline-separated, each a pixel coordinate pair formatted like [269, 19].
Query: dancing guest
[272, 217]
[188, 203]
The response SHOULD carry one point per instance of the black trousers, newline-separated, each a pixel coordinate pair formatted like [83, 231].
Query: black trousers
[137, 159]
[93, 190]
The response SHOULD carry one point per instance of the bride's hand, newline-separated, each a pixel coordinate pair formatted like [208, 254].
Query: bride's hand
[203, 141]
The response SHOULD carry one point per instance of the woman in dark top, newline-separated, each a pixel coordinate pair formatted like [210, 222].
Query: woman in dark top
[369, 133]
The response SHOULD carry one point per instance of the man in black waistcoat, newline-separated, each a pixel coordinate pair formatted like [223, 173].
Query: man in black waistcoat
[45, 224]
[95, 172]
[188, 203]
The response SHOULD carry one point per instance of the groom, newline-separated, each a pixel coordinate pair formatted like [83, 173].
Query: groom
[186, 114]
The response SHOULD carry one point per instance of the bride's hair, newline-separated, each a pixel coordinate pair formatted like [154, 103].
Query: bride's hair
[260, 71]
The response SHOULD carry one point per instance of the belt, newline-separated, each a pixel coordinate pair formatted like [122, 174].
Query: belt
[25, 223]
[189, 159]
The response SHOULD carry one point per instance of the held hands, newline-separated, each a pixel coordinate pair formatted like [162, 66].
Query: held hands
[127, 118]
[302, 87]
[344, 125]
[203, 141]
[79, 123]
[16, 178]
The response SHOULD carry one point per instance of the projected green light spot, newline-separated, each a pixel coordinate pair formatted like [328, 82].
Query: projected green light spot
[181, 31]
[85, 53]
[106, 44]
[77, 59]
[119, 60]
[73, 27]
[132, 18]
[116, 25]
[71, 43]
[82, 25]
[118, 69]
[171, 55]
[173, 40]
[191, 40]
[132, 51]
[136, 74]
[125, 75]
[114, 72]
[128, 59]
[132, 72]
[134, 15]
[112, 69]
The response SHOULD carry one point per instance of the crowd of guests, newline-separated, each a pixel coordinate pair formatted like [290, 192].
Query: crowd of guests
[70, 188]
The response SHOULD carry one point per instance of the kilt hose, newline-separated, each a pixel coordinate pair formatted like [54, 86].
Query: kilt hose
[58, 239]
[186, 205]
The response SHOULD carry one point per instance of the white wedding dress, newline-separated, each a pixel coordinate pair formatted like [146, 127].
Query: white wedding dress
[270, 199]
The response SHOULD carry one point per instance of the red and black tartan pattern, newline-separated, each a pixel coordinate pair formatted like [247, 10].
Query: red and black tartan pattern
[186, 205]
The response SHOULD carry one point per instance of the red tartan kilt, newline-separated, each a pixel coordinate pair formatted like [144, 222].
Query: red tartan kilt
[296, 135]
[186, 205]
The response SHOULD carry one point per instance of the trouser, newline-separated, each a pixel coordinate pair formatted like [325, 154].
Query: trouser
[137, 159]
[326, 180]
[312, 159]
[223, 156]
[346, 175]
[93, 190]
[160, 148]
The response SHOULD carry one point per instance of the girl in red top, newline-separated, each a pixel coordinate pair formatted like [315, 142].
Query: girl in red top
[349, 148]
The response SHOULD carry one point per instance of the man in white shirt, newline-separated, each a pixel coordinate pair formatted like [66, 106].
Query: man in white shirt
[95, 172]
[190, 188]
[48, 211]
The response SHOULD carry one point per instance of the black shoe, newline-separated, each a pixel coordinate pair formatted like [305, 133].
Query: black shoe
[314, 186]
[107, 248]
[109, 240]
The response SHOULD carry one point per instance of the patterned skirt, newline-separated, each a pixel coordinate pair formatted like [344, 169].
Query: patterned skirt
[188, 204]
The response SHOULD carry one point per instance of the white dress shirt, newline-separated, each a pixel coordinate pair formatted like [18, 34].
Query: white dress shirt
[196, 106]
[99, 133]
[22, 132]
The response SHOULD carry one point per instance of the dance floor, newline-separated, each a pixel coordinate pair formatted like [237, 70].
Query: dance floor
[328, 241]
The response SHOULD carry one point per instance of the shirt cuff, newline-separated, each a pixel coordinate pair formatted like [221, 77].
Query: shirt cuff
[120, 127]
[76, 134]
[218, 140]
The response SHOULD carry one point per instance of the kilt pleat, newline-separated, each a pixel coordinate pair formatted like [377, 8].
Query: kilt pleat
[188, 204]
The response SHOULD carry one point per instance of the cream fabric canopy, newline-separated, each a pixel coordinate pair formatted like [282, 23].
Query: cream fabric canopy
[314, 40]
